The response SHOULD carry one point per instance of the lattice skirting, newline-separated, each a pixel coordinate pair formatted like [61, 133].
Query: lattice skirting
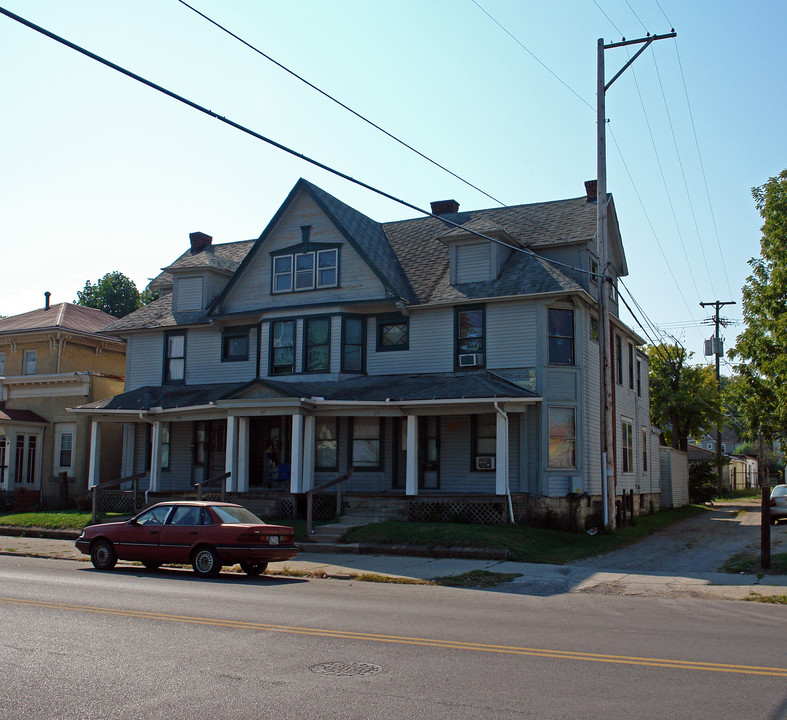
[119, 501]
[461, 511]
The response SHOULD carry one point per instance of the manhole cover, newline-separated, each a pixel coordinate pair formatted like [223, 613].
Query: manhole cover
[342, 669]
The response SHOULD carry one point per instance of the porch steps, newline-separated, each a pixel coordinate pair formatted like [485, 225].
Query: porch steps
[326, 538]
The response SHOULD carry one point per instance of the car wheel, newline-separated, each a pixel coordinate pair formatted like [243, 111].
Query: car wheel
[253, 569]
[152, 565]
[206, 562]
[103, 555]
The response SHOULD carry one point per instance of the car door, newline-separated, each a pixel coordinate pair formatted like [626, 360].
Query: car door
[139, 538]
[179, 534]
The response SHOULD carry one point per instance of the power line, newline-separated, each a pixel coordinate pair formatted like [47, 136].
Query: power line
[682, 171]
[702, 168]
[339, 102]
[529, 52]
[281, 147]
[608, 18]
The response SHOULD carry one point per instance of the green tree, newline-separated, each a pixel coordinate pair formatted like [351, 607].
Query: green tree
[114, 294]
[761, 349]
[684, 399]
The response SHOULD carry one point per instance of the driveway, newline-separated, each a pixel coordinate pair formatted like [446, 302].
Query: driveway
[700, 544]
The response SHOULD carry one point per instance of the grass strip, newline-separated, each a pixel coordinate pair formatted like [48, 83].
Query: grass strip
[476, 579]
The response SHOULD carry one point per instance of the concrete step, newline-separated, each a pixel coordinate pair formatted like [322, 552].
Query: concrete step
[323, 547]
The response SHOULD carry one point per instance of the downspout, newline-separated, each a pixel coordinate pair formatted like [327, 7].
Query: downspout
[142, 416]
[504, 414]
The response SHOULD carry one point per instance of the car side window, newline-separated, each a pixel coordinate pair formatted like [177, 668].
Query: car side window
[205, 518]
[154, 516]
[185, 515]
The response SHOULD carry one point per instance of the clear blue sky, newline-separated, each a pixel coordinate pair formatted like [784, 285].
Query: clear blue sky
[100, 173]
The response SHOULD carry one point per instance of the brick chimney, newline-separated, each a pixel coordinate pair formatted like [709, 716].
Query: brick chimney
[199, 241]
[591, 188]
[443, 207]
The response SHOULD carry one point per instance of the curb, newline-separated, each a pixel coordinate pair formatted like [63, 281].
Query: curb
[438, 551]
[35, 532]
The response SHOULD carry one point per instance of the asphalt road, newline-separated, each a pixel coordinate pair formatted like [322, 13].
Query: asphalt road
[78, 643]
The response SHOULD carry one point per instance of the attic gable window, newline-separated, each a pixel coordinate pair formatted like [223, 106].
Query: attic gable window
[309, 270]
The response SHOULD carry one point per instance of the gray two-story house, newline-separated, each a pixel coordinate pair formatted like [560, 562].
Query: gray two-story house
[449, 371]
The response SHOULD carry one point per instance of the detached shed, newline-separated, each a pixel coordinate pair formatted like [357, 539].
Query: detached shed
[674, 470]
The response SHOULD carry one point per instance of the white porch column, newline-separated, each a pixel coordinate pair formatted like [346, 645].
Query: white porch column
[155, 457]
[411, 476]
[501, 452]
[94, 466]
[296, 459]
[231, 456]
[309, 424]
[242, 483]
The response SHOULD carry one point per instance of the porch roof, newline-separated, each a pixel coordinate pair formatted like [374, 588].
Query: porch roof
[20, 416]
[472, 385]
[392, 388]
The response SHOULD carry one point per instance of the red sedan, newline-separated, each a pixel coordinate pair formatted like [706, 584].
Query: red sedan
[205, 534]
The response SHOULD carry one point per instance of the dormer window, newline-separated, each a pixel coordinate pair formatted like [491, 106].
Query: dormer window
[310, 270]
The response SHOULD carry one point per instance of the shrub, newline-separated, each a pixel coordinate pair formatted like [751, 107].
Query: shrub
[702, 482]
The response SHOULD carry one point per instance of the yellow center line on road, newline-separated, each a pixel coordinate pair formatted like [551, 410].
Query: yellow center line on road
[403, 640]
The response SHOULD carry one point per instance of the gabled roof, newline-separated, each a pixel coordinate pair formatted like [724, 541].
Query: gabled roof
[157, 314]
[64, 316]
[365, 235]
[224, 256]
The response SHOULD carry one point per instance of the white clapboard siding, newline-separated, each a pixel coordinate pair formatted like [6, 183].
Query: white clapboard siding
[473, 262]
[253, 290]
[144, 360]
[188, 294]
[511, 335]
[203, 358]
[431, 345]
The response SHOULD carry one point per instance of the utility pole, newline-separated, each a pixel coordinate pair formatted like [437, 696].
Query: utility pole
[608, 489]
[718, 351]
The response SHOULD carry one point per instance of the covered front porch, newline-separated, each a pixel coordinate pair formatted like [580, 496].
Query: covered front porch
[464, 434]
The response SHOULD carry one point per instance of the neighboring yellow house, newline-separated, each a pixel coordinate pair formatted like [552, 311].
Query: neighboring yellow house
[52, 359]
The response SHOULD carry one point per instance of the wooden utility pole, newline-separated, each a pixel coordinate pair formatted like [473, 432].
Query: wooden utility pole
[718, 351]
[608, 489]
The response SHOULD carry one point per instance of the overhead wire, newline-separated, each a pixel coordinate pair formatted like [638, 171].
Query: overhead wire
[339, 102]
[683, 172]
[284, 148]
[530, 52]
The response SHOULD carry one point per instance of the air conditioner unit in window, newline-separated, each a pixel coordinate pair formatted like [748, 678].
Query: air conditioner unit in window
[485, 462]
[471, 360]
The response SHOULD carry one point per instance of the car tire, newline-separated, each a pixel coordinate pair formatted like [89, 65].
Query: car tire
[206, 562]
[253, 569]
[103, 555]
[152, 565]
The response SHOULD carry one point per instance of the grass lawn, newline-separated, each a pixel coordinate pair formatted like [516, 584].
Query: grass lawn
[524, 543]
[55, 520]
[749, 562]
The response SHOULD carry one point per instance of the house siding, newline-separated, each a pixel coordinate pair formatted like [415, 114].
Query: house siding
[511, 332]
[145, 359]
[203, 359]
[473, 263]
[356, 280]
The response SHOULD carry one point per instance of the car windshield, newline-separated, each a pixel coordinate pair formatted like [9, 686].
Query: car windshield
[236, 515]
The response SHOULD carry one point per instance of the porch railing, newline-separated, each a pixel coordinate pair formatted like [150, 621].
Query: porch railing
[310, 497]
[210, 481]
[96, 489]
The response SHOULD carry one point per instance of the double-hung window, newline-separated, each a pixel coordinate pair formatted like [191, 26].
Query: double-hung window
[282, 273]
[644, 449]
[484, 439]
[562, 437]
[366, 445]
[618, 360]
[628, 446]
[175, 357]
[631, 366]
[470, 340]
[561, 336]
[353, 337]
[282, 347]
[317, 337]
[325, 442]
[2, 364]
[29, 363]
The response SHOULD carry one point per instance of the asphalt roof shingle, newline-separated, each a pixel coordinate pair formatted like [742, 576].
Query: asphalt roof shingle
[63, 316]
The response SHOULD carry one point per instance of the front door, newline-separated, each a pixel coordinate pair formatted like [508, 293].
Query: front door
[217, 448]
[269, 452]
[3, 462]
[139, 540]
[429, 452]
[400, 454]
[25, 461]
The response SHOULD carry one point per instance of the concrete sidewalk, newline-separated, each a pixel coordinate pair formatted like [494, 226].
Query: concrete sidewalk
[533, 579]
